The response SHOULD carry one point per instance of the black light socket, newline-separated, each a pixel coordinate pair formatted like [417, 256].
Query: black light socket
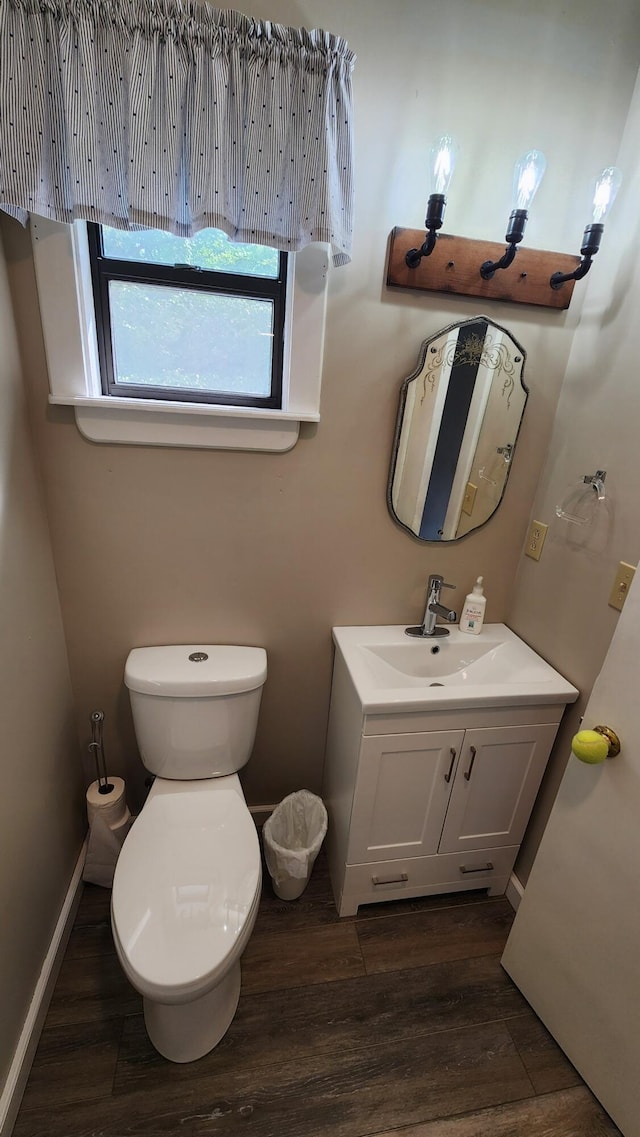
[514, 234]
[515, 231]
[435, 211]
[432, 222]
[591, 239]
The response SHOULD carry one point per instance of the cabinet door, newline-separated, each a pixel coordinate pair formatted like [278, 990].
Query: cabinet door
[402, 789]
[495, 786]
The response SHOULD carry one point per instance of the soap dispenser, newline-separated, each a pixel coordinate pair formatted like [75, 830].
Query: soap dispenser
[472, 617]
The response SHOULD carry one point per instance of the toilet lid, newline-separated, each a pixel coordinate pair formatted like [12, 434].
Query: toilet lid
[186, 881]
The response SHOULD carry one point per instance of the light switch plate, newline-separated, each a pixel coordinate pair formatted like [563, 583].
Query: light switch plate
[469, 499]
[535, 539]
[624, 575]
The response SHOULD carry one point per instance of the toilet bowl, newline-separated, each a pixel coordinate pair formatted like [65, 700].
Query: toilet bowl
[187, 883]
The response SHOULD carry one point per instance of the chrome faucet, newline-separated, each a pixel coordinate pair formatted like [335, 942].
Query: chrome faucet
[434, 609]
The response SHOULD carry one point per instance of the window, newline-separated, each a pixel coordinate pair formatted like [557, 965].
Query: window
[224, 416]
[189, 319]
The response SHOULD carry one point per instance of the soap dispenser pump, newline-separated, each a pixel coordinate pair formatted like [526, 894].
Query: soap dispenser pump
[472, 617]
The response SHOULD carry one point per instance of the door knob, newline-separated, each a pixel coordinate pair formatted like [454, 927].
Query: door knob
[593, 746]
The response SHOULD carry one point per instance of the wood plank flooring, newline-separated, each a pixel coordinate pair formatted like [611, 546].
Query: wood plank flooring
[399, 1022]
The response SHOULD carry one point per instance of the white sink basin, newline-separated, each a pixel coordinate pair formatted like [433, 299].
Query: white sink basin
[438, 657]
[390, 671]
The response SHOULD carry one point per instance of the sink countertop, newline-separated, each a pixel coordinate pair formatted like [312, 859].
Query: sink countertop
[394, 672]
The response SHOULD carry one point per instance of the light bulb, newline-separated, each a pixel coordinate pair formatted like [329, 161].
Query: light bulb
[604, 194]
[527, 175]
[442, 161]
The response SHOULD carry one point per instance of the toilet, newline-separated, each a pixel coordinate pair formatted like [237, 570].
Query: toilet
[187, 883]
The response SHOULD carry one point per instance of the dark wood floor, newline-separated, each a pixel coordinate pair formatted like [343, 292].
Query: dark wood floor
[400, 1021]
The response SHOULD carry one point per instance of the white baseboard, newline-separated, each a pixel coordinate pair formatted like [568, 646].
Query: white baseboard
[27, 1043]
[514, 891]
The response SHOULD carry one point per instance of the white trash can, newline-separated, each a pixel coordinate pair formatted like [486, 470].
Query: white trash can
[292, 838]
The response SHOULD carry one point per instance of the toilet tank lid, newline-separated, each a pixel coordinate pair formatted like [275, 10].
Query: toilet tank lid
[182, 671]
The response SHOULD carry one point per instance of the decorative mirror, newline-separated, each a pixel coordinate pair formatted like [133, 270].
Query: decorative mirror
[458, 422]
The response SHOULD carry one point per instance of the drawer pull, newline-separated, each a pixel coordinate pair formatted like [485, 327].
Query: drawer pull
[479, 868]
[467, 773]
[447, 777]
[390, 879]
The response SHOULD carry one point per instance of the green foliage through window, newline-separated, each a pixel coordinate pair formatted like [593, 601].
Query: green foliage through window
[209, 249]
[174, 337]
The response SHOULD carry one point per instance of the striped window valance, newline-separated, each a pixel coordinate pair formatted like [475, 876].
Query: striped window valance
[178, 116]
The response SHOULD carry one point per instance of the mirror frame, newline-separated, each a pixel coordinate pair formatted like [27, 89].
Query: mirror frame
[418, 371]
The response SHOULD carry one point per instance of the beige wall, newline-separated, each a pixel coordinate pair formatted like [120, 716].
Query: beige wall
[40, 811]
[560, 603]
[159, 545]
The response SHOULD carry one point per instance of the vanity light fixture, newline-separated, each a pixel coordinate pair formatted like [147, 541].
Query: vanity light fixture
[606, 187]
[527, 175]
[442, 161]
[465, 266]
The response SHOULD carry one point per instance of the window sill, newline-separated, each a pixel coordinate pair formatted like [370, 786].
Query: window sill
[158, 423]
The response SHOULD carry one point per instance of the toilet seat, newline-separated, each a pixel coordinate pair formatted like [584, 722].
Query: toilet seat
[186, 888]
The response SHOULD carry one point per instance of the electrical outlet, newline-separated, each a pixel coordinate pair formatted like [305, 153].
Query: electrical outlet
[535, 539]
[624, 575]
[469, 499]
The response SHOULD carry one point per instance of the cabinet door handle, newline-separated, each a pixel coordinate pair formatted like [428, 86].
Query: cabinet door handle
[447, 776]
[467, 773]
[390, 879]
[479, 868]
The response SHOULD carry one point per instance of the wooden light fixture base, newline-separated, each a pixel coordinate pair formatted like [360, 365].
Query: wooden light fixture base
[454, 266]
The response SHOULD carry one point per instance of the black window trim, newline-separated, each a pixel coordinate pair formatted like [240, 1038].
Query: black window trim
[105, 269]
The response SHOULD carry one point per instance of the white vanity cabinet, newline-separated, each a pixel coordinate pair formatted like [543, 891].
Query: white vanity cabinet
[423, 802]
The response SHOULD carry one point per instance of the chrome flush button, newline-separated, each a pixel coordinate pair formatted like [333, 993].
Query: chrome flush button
[198, 656]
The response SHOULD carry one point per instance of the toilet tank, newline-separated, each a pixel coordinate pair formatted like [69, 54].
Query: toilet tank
[195, 707]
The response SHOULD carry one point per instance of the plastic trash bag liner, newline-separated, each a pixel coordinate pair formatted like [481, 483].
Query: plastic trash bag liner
[292, 838]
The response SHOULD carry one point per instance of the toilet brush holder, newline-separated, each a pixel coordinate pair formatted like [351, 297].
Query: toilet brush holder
[107, 813]
[96, 749]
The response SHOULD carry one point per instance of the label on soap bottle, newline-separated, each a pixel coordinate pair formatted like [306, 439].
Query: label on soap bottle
[472, 617]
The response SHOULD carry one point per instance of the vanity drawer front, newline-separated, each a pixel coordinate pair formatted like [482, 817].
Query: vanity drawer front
[424, 876]
[414, 722]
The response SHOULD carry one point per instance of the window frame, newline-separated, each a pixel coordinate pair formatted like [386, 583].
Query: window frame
[104, 269]
[63, 278]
